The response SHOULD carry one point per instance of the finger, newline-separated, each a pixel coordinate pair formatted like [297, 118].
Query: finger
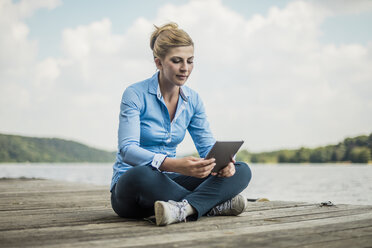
[207, 162]
[223, 172]
[227, 167]
[204, 174]
[208, 168]
[231, 172]
[211, 168]
[205, 170]
[228, 171]
[195, 158]
[226, 174]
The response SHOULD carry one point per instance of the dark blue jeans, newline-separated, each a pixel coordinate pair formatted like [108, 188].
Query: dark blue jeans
[135, 193]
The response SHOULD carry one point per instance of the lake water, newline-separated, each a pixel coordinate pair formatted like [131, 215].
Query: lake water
[350, 184]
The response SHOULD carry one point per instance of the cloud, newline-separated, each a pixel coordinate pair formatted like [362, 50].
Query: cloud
[268, 78]
[343, 7]
[17, 60]
[272, 80]
[17, 52]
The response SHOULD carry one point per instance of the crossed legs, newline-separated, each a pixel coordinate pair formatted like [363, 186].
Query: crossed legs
[135, 193]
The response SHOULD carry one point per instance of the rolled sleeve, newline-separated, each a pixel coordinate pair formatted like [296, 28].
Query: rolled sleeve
[158, 160]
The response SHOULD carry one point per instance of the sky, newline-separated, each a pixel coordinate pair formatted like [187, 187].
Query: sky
[276, 74]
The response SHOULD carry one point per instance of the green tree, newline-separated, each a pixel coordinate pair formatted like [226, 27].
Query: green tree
[338, 153]
[254, 158]
[302, 155]
[318, 156]
[361, 140]
[243, 155]
[360, 155]
[285, 156]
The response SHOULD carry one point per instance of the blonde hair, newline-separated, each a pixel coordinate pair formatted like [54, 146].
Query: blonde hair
[166, 37]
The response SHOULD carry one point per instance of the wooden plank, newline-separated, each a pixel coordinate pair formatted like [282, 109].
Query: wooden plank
[41, 185]
[343, 243]
[42, 194]
[258, 206]
[43, 201]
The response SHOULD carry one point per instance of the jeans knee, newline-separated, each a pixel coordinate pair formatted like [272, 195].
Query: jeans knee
[140, 171]
[136, 177]
[244, 172]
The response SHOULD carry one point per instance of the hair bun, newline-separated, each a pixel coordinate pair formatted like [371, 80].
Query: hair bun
[166, 37]
[158, 30]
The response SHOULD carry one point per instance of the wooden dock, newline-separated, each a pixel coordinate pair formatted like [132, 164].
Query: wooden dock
[44, 213]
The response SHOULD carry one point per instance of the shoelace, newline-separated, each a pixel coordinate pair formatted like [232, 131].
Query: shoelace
[220, 208]
[180, 211]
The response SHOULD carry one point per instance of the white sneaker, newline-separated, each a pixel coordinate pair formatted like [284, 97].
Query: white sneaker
[170, 212]
[234, 206]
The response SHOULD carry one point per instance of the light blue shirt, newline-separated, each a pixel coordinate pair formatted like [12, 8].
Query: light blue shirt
[146, 134]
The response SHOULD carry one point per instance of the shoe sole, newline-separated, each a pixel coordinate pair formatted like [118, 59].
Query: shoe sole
[159, 214]
[245, 204]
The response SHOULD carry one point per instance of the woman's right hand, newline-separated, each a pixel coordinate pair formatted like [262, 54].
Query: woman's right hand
[189, 166]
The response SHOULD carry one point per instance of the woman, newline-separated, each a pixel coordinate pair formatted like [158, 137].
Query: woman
[154, 116]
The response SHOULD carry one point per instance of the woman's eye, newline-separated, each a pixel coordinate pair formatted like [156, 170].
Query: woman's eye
[190, 62]
[176, 61]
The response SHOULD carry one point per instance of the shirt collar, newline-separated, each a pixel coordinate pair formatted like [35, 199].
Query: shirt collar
[155, 89]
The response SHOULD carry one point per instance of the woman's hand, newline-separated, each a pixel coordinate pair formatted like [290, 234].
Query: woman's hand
[228, 171]
[189, 166]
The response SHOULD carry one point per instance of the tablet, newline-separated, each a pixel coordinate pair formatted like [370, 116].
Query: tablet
[223, 152]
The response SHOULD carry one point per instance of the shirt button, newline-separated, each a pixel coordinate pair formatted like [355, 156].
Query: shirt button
[169, 140]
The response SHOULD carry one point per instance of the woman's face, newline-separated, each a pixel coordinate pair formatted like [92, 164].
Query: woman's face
[176, 66]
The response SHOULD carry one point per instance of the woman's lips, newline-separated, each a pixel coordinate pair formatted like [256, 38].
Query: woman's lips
[182, 76]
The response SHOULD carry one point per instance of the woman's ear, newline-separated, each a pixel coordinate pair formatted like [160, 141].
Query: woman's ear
[158, 63]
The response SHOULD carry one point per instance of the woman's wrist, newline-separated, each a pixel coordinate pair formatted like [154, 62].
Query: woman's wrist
[168, 164]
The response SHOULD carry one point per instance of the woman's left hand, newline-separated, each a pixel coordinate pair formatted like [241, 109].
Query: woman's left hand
[228, 171]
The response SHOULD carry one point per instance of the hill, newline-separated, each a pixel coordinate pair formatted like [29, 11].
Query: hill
[354, 150]
[14, 148]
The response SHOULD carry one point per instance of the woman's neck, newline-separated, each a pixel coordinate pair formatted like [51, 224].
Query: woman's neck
[168, 90]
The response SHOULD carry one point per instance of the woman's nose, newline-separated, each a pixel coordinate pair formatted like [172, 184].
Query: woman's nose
[184, 67]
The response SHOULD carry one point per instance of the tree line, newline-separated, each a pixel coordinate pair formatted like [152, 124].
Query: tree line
[354, 150]
[14, 148]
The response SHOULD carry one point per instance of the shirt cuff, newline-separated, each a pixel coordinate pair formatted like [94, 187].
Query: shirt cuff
[158, 160]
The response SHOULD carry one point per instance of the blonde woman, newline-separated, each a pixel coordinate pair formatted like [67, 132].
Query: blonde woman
[154, 115]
